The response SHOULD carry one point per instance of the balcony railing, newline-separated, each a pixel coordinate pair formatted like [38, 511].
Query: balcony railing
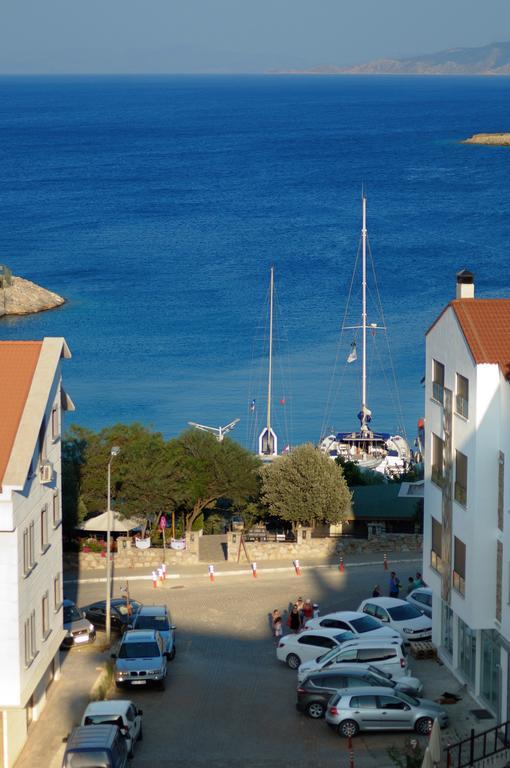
[459, 583]
[438, 392]
[462, 406]
[478, 746]
[460, 494]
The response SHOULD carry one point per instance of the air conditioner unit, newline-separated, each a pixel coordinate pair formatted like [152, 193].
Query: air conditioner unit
[45, 472]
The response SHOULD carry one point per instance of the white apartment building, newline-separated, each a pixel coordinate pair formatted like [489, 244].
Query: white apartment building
[466, 543]
[31, 403]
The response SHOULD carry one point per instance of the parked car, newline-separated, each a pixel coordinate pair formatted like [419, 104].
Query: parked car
[120, 712]
[355, 709]
[400, 615]
[79, 630]
[387, 654]
[421, 598]
[93, 745]
[314, 693]
[141, 659]
[352, 621]
[157, 617]
[295, 649]
[121, 615]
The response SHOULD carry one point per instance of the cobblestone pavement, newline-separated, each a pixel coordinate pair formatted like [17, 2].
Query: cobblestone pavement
[228, 701]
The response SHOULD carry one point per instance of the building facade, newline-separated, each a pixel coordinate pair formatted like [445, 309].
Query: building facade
[466, 501]
[31, 403]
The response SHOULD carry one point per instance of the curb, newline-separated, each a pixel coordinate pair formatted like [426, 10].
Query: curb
[243, 572]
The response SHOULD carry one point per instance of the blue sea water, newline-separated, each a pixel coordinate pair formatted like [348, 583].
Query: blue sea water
[157, 205]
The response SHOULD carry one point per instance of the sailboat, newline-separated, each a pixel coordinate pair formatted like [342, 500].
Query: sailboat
[380, 451]
[268, 441]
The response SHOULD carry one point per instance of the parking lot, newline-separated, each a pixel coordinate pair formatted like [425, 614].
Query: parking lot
[228, 701]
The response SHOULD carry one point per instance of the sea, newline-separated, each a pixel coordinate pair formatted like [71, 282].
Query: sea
[157, 205]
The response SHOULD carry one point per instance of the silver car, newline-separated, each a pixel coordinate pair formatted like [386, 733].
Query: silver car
[157, 617]
[357, 709]
[421, 598]
[141, 659]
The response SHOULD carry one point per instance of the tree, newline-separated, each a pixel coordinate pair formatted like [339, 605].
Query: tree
[356, 476]
[206, 471]
[306, 487]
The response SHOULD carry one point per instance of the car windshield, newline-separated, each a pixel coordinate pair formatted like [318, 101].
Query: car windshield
[331, 654]
[365, 624]
[139, 651]
[408, 699]
[92, 758]
[152, 622]
[104, 720]
[403, 612]
[71, 613]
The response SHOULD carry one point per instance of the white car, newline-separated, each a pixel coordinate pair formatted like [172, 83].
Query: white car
[295, 649]
[353, 621]
[421, 598]
[400, 615]
[120, 712]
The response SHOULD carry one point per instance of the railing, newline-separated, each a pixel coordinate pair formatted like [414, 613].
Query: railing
[478, 746]
[438, 392]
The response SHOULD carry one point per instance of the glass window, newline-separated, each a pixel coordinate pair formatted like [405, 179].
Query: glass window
[403, 612]
[55, 430]
[437, 460]
[57, 517]
[491, 661]
[45, 608]
[461, 469]
[349, 654]
[44, 528]
[381, 614]
[366, 624]
[459, 565]
[462, 396]
[438, 381]
[375, 654]
[436, 561]
[447, 628]
[57, 592]
[467, 651]
[363, 702]
[26, 552]
[370, 609]
[390, 702]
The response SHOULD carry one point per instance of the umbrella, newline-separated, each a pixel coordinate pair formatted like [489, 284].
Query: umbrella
[435, 742]
[99, 524]
[427, 760]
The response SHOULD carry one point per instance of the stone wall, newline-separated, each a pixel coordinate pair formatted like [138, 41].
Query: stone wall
[148, 559]
[323, 548]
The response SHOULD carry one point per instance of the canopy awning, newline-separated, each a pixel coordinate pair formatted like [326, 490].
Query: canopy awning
[99, 524]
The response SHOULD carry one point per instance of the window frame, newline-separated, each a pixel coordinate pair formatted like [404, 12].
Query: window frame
[45, 615]
[436, 554]
[459, 566]
[460, 486]
[436, 472]
[56, 514]
[44, 533]
[461, 402]
[57, 592]
[438, 371]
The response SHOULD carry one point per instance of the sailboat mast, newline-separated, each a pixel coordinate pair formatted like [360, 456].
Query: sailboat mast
[364, 317]
[270, 369]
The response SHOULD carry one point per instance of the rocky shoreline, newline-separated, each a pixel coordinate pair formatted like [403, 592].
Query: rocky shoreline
[22, 297]
[494, 139]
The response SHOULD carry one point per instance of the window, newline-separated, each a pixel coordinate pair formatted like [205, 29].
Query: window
[461, 464]
[31, 542]
[57, 593]
[335, 623]
[44, 528]
[56, 516]
[45, 610]
[436, 560]
[321, 642]
[437, 460]
[390, 702]
[462, 396]
[501, 489]
[55, 429]
[438, 381]
[459, 565]
[376, 654]
[28, 549]
[30, 644]
[363, 702]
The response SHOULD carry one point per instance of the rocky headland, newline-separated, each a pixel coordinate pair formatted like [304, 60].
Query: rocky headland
[494, 139]
[22, 297]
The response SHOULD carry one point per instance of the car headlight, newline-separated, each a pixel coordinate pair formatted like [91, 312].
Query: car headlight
[121, 674]
[69, 633]
[91, 627]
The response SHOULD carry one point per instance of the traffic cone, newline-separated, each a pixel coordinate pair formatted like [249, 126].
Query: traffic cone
[341, 566]
[297, 567]
[385, 562]
[211, 572]
[154, 579]
[254, 570]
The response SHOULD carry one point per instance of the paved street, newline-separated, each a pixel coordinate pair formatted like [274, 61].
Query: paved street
[228, 701]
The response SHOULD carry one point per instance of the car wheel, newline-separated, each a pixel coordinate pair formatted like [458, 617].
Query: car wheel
[315, 710]
[118, 685]
[348, 728]
[172, 653]
[424, 725]
[140, 734]
[161, 685]
[293, 661]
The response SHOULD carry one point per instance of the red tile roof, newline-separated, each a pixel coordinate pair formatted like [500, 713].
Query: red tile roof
[18, 361]
[485, 324]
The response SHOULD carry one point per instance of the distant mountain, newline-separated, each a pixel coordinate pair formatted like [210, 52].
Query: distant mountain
[491, 59]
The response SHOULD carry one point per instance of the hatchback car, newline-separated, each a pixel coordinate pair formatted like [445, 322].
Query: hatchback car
[120, 712]
[356, 709]
[121, 613]
[295, 649]
[314, 693]
[388, 654]
[157, 617]
[141, 659]
[421, 598]
[400, 615]
[352, 621]
[79, 630]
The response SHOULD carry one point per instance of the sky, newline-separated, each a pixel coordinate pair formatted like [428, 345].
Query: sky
[234, 36]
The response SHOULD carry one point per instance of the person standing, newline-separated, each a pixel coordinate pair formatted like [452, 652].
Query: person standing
[410, 585]
[294, 620]
[307, 610]
[394, 589]
[277, 626]
[376, 592]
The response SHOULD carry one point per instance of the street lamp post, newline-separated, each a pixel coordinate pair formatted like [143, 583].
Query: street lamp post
[114, 452]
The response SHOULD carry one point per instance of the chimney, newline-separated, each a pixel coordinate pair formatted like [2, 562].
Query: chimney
[465, 285]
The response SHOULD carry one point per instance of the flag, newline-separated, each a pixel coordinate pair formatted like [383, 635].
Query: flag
[252, 406]
[352, 354]
[286, 449]
[282, 401]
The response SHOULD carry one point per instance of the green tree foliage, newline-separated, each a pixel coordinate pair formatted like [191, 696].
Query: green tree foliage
[306, 487]
[356, 476]
[205, 471]
[142, 476]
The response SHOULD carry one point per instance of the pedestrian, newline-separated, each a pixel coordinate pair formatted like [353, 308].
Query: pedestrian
[307, 610]
[300, 603]
[376, 592]
[394, 587]
[411, 585]
[418, 581]
[277, 626]
[294, 620]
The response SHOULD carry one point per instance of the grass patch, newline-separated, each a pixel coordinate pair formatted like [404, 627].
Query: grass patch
[102, 686]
